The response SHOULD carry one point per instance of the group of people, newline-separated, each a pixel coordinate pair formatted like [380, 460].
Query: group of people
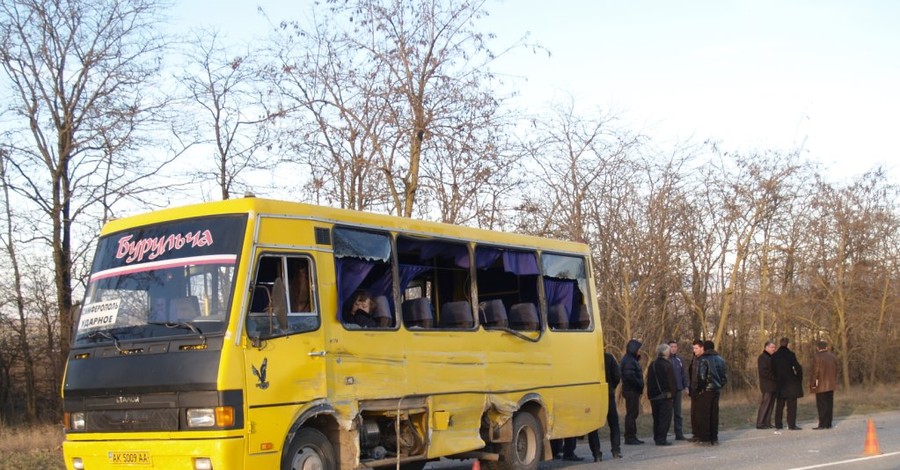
[781, 384]
[667, 379]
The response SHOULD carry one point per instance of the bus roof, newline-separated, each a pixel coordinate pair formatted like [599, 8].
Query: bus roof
[271, 207]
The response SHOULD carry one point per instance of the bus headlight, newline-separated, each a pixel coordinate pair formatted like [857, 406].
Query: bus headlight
[220, 416]
[76, 421]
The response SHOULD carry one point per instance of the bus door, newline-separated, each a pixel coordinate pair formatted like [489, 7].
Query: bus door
[285, 363]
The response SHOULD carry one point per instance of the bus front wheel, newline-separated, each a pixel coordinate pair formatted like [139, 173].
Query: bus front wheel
[309, 450]
[524, 451]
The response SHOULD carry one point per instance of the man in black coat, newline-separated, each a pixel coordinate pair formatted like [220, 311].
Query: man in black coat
[612, 415]
[767, 385]
[632, 388]
[660, 390]
[789, 380]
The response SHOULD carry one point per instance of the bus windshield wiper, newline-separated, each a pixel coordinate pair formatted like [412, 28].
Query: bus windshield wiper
[105, 335]
[181, 324]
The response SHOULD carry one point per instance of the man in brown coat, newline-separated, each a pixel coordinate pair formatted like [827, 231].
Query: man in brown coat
[822, 381]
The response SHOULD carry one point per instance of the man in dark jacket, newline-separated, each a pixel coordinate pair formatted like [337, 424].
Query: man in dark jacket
[711, 377]
[822, 381]
[632, 388]
[767, 386]
[681, 383]
[789, 380]
[612, 415]
[660, 389]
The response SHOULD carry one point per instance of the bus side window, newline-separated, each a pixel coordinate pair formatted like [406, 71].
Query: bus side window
[281, 303]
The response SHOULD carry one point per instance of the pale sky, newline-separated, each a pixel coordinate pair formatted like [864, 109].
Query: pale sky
[752, 74]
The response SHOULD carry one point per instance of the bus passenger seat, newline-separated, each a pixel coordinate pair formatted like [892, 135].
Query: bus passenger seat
[382, 312]
[557, 317]
[493, 314]
[583, 322]
[524, 316]
[417, 313]
[457, 315]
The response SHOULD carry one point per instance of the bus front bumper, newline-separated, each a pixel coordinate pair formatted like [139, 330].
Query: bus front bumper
[174, 454]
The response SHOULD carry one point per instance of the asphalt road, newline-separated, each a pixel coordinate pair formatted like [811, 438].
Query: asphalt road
[841, 447]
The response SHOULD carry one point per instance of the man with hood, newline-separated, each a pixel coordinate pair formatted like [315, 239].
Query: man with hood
[789, 378]
[632, 388]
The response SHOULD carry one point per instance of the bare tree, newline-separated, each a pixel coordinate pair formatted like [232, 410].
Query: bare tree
[15, 294]
[227, 88]
[80, 72]
[390, 87]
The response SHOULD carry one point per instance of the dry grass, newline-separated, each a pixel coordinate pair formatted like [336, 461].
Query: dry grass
[40, 447]
[36, 447]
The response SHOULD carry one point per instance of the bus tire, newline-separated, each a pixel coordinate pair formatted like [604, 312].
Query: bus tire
[525, 450]
[309, 450]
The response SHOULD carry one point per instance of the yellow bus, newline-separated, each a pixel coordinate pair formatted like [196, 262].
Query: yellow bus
[261, 334]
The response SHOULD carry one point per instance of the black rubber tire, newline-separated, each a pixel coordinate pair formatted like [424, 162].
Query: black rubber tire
[309, 450]
[525, 451]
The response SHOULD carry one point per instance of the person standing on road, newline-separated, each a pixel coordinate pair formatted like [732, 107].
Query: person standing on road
[712, 376]
[681, 381]
[660, 389]
[822, 381]
[632, 388]
[789, 378]
[612, 415]
[700, 434]
[767, 386]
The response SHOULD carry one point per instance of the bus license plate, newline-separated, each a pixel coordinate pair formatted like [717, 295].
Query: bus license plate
[139, 457]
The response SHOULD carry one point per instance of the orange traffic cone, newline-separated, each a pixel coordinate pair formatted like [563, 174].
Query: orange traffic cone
[871, 441]
[476, 465]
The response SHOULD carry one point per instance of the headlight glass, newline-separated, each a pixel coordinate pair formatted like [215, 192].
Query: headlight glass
[201, 417]
[77, 421]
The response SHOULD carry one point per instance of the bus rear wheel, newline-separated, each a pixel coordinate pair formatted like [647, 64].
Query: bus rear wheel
[525, 450]
[309, 450]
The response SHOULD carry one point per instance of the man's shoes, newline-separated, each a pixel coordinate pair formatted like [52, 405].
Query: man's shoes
[778, 426]
[633, 442]
[616, 454]
[598, 457]
[694, 439]
[573, 458]
[664, 443]
[795, 428]
[557, 456]
[765, 426]
[713, 443]
[679, 437]
[819, 428]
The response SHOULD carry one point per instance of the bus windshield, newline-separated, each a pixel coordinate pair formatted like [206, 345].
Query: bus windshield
[162, 280]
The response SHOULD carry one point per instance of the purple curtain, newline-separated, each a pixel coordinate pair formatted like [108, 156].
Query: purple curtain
[350, 273]
[520, 263]
[560, 291]
[408, 272]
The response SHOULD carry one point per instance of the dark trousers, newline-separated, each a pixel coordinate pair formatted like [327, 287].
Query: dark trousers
[791, 412]
[632, 409]
[662, 417]
[565, 446]
[676, 412]
[825, 407]
[764, 414]
[704, 412]
[615, 434]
